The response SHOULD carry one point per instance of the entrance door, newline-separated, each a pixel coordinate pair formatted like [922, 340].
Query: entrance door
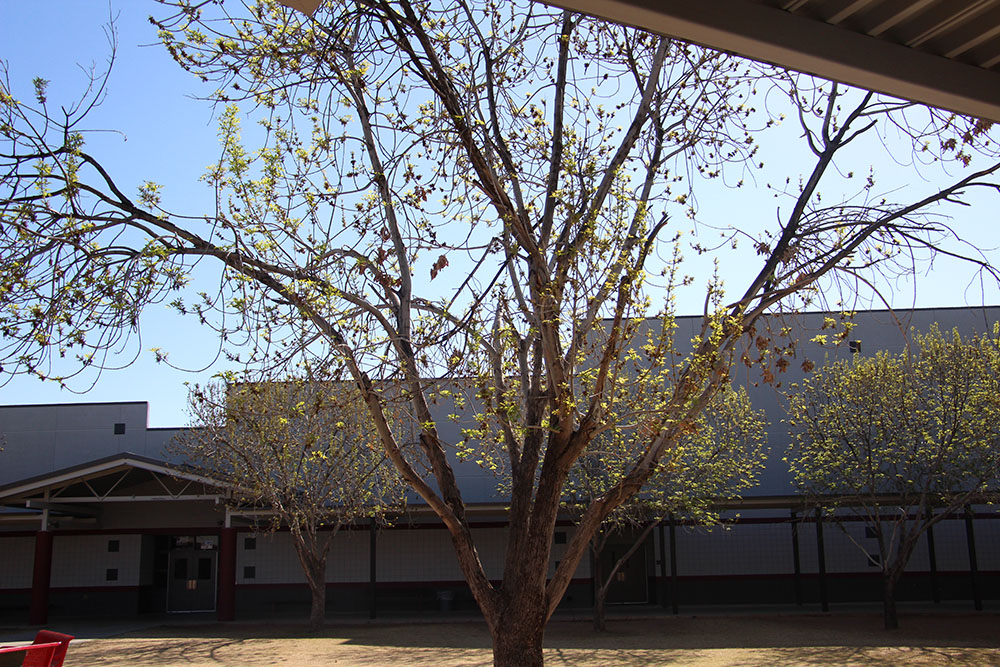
[631, 582]
[192, 580]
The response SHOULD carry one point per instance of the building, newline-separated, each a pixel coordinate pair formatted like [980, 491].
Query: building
[98, 516]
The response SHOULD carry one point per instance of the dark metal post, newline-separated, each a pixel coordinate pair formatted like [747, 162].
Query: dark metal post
[821, 561]
[225, 609]
[932, 559]
[796, 562]
[673, 565]
[41, 573]
[970, 540]
[373, 580]
[663, 566]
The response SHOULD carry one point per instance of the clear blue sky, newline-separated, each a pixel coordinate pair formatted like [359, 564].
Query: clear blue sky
[168, 137]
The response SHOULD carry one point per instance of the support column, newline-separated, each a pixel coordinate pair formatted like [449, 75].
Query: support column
[674, 607]
[41, 572]
[38, 612]
[796, 560]
[932, 558]
[821, 561]
[663, 567]
[226, 608]
[970, 541]
[372, 572]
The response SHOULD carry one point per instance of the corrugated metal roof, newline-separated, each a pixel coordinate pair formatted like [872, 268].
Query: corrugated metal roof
[945, 53]
[966, 31]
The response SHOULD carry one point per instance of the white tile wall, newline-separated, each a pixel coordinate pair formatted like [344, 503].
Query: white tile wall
[843, 555]
[987, 543]
[17, 558]
[739, 549]
[274, 559]
[950, 545]
[349, 560]
[558, 550]
[82, 560]
[410, 554]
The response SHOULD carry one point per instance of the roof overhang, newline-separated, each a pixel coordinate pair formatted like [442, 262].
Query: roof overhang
[123, 478]
[944, 53]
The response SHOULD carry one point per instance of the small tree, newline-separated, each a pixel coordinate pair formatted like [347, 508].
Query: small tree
[891, 438]
[720, 455]
[297, 451]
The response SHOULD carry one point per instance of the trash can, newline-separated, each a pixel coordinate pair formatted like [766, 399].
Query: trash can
[445, 599]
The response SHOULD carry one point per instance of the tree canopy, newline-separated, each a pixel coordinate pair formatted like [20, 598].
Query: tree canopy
[477, 190]
[298, 452]
[717, 459]
[900, 440]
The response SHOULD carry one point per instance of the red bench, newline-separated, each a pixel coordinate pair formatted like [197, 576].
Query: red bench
[48, 650]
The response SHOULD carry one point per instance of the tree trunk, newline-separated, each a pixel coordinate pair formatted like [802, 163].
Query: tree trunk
[600, 595]
[317, 586]
[601, 582]
[889, 617]
[517, 639]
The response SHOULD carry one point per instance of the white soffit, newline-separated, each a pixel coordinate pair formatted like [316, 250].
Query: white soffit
[945, 53]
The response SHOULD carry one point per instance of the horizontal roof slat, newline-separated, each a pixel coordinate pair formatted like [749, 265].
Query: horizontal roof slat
[933, 24]
[849, 11]
[888, 15]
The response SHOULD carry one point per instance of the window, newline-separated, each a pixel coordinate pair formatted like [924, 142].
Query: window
[249, 572]
[111, 574]
[854, 346]
[114, 546]
[120, 428]
[181, 568]
[560, 537]
[204, 568]
[249, 543]
[874, 560]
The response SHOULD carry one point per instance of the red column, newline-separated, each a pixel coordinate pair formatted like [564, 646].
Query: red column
[38, 613]
[226, 607]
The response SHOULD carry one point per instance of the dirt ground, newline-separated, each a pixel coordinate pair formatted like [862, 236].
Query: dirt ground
[800, 639]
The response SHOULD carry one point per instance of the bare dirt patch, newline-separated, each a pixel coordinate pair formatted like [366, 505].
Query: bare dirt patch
[802, 639]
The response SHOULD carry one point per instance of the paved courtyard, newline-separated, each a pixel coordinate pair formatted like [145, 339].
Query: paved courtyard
[774, 639]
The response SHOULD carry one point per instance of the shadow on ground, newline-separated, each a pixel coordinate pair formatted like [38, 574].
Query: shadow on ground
[683, 632]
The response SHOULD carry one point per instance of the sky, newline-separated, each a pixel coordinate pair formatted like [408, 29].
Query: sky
[166, 135]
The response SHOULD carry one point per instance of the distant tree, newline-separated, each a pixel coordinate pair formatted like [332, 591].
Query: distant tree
[477, 190]
[900, 441]
[300, 454]
[718, 458]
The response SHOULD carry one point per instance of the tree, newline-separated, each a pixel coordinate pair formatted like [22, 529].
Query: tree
[719, 457]
[545, 162]
[901, 441]
[298, 452]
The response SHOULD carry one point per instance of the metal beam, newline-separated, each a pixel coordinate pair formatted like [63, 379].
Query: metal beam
[129, 499]
[74, 510]
[807, 45]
